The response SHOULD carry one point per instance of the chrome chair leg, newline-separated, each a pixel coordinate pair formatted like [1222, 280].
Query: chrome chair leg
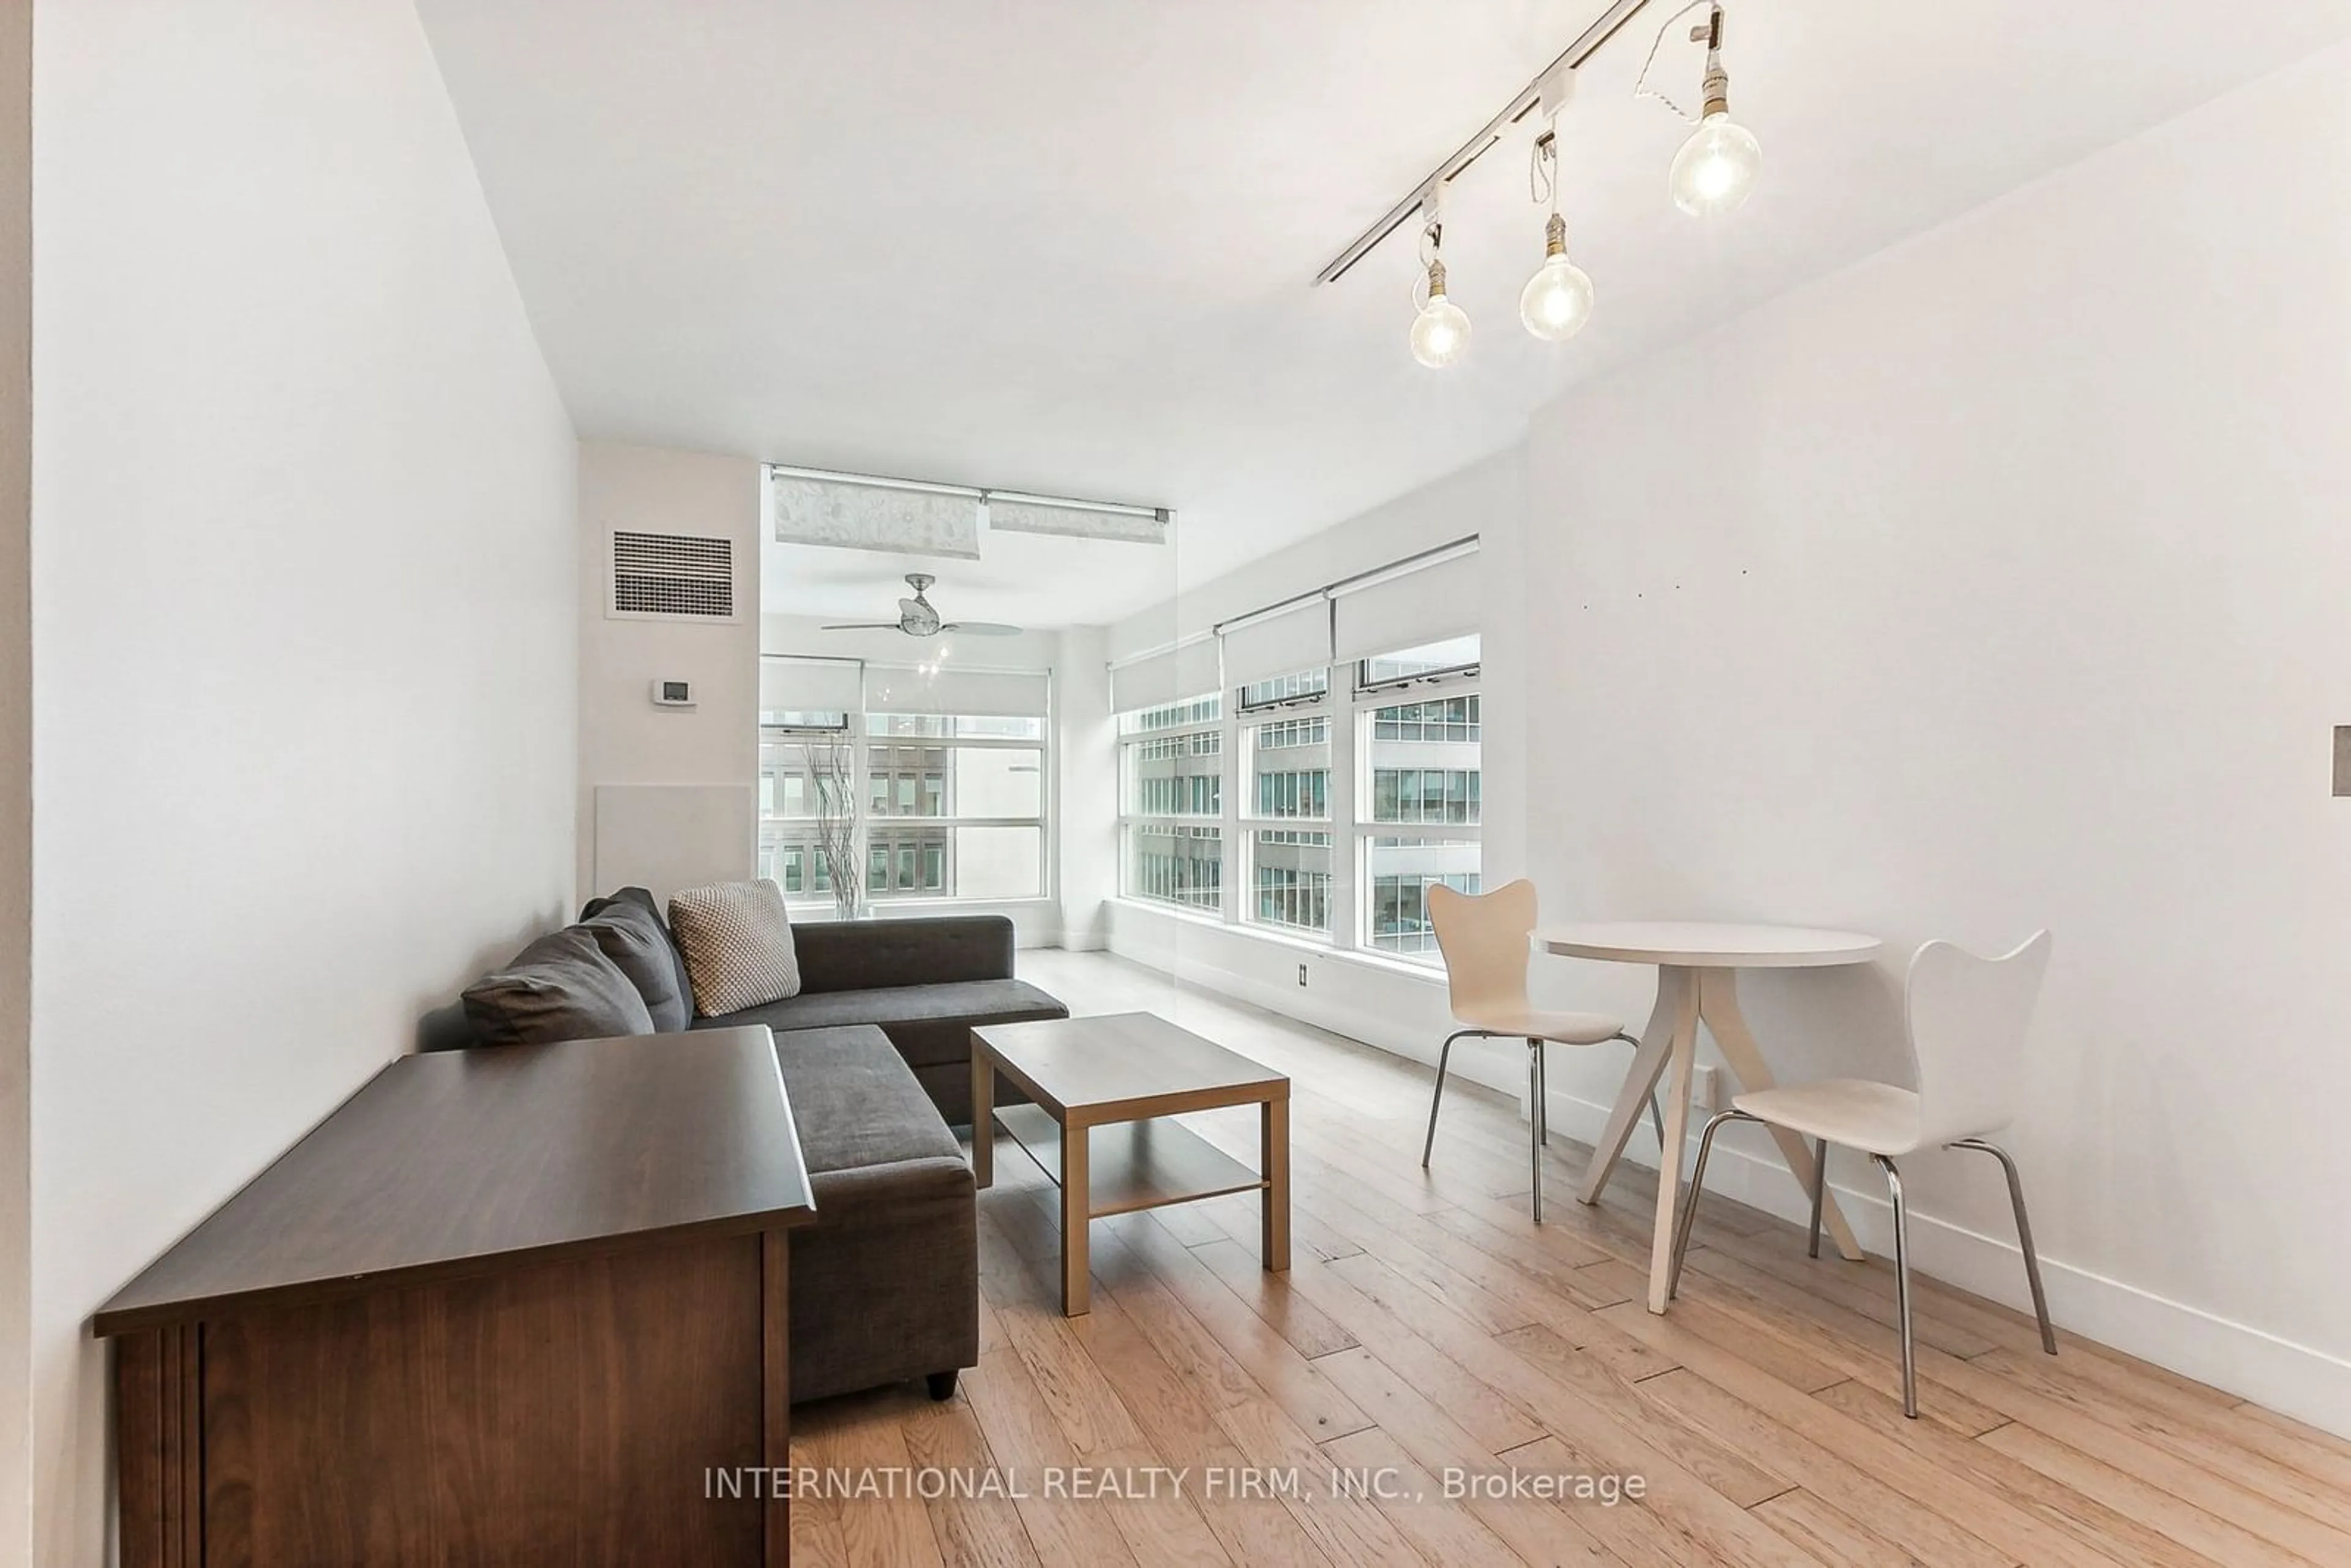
[1820, 1191]
[1444, 1054]
[1543, 1086]
[1902, 1285]
[2023, 1236]
[1688, 1220]
[1534, 1125]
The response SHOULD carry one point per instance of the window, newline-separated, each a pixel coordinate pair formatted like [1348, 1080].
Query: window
[797, 767]
[1453, 656]
[1402, 873]
[946, 806]
[1292, 879]
[1171, 773]
[976, 786]
[1291, 869]
[1177, 864]
[1422, 765]
[1333, 799]
[1304, 685]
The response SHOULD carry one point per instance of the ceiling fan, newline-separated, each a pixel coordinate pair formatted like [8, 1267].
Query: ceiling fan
[917, 619]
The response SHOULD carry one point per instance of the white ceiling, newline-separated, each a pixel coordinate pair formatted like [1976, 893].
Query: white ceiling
[1066, 246]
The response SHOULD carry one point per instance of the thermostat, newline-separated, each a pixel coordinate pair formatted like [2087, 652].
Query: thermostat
[673, 693]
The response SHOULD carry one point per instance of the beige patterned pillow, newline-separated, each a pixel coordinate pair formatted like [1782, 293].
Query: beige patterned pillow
[737, 945]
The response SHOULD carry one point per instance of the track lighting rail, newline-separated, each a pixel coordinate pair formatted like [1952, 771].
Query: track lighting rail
[1610, 23]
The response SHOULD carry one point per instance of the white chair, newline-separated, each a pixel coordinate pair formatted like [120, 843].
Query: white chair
[1484, 940]
[1966, 1019]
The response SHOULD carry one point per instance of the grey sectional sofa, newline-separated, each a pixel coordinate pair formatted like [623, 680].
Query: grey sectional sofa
[875, 1053]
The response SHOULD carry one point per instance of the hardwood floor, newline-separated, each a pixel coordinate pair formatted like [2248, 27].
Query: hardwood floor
[1426, 1328]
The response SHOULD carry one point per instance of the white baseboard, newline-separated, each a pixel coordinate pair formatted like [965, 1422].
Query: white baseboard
[2293, 1379]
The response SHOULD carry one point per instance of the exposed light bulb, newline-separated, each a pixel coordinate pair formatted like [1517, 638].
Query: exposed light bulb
[1557, 300]
[1441, 332]
[1715, 171]
[1716, 168]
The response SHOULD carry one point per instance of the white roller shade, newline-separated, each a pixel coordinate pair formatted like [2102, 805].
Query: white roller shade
[1175, 675]
[792, 684]
[849, 512]
[1412, 606]
[1077, 522]
[987, 694]
[1281, 643]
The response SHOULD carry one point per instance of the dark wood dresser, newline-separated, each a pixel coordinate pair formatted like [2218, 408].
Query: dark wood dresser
[516, 1305]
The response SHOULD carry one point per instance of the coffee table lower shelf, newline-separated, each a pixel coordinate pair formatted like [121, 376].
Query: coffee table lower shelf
[1133, 1165]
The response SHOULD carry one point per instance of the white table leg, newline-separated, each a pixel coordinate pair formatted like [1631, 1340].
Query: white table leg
[1648, 1066]
[1718, 992]
[1683, 1060]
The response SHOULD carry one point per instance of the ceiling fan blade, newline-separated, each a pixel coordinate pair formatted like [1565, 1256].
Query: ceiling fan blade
[866, 626]
[982, 628]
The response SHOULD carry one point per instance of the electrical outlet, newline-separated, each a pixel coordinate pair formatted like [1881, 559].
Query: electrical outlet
[1706, 1087]
[1301, 974]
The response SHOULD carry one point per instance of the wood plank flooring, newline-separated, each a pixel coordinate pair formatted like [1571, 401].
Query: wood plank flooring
[1427, 1329]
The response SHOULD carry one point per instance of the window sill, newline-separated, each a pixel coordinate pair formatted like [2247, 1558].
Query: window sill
[1382, 963]
[883, 908]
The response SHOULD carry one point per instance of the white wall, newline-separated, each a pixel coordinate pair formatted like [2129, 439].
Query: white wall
[16, 783]
[623, 738]
[1087, 792]
[304, 627]
[1999, 583]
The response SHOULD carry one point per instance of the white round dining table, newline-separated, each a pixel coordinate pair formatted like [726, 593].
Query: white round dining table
[1698, 964]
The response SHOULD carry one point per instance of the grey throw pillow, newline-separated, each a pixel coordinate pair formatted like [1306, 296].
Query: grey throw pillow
[644, 899]
[738, 944]
[633, 939]
[561, 987]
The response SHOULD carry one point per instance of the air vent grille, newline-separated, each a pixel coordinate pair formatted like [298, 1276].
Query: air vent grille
[673, 575]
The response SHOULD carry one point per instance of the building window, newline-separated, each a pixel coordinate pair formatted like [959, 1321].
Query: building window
[1304, 684]
[1402, 873]
[1291, 872]
[976, 786]
[1425, 794]
[1292, 732]
[1454, 719]
[1454, 655]
[1175, 865]
[1290, 879]
[1171, 773]
[1422, 763]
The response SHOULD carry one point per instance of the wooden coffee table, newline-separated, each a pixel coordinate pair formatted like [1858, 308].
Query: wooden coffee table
[1106, 1090]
